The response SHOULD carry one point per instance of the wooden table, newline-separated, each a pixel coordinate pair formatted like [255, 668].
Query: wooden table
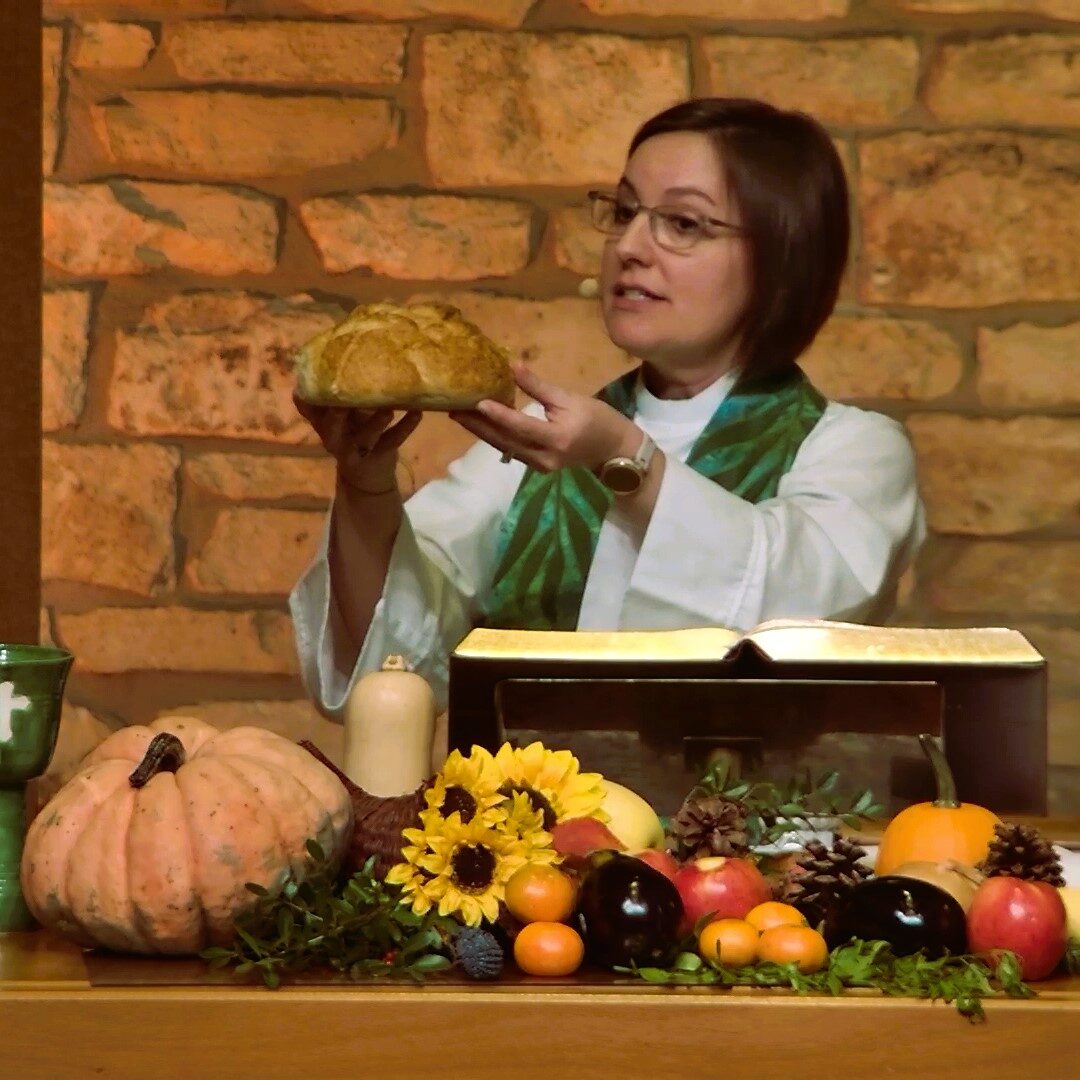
[65, 1015]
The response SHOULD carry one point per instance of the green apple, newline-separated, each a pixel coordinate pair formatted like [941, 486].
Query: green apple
[632, 819]
[1070, 897]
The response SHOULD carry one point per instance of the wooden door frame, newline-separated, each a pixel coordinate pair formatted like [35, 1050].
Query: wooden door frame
[20, 324]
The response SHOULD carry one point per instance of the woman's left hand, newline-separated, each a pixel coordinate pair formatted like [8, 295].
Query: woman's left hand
[576, 429]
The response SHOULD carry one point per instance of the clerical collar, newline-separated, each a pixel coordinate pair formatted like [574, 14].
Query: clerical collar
[700, 407]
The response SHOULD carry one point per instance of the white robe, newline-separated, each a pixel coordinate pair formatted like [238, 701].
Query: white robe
[832, 543]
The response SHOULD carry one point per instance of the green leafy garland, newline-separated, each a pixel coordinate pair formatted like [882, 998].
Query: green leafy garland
[1072, 957]
[964, 980]
[775, 809]
[359, 928]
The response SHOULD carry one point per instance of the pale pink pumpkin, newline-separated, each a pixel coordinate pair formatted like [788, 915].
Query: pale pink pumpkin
[162, 867]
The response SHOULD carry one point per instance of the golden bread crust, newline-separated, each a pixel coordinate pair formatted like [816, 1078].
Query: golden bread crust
[420, 356]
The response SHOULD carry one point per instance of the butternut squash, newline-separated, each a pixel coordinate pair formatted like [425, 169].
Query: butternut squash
[389, 730]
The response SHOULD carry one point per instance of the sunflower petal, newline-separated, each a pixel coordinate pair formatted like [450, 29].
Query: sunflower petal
[399, 874]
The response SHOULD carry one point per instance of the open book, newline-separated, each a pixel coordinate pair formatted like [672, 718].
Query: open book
[778, 639]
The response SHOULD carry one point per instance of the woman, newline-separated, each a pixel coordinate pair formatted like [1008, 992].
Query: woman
[711, 486]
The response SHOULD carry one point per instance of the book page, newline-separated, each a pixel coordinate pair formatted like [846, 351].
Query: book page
[703, 643]
[819, 639]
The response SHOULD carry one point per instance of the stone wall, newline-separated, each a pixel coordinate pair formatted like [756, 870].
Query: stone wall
[226, 177]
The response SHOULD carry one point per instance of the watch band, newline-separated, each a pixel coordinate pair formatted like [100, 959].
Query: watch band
[645, 453]
[625, 475]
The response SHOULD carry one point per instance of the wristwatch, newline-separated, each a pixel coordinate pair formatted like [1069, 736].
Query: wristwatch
[625, 475]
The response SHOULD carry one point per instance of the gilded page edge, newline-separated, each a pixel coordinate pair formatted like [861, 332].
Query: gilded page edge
[816, 641]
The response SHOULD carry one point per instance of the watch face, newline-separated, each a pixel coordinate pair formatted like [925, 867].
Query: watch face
[622, 476]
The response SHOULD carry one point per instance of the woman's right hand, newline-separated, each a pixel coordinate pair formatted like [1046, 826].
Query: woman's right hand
[361, 441]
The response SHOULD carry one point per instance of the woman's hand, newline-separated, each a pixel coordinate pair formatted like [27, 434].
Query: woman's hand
[361, 441]
[576, 429]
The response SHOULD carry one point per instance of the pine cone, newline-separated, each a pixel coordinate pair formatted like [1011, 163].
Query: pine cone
[1020, 851]
[822, 876]
[479, 953]
[710, 825]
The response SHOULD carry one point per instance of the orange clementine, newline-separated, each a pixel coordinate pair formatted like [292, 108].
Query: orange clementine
[548, 948]
[800, 945]
[731, 942]
[540, 893]
[773, 913]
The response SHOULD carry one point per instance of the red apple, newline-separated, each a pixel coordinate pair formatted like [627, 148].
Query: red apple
[663, 861]
[724, 888]
[1027, 917]
[581, 836]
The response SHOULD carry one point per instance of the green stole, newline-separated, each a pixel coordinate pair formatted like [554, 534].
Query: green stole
[548, 537]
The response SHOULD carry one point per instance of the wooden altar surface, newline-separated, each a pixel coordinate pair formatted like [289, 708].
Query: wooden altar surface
[65, 1013]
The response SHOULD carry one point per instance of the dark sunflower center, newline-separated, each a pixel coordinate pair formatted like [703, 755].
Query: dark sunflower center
[538, 801]
[459, 799]
[473, 867]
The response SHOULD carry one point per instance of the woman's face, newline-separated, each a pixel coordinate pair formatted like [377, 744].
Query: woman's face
[675, 310]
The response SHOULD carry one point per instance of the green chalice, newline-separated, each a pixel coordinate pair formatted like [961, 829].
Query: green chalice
[32, 681]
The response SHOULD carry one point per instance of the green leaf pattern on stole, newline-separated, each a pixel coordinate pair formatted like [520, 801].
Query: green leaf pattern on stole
[753, 437]
[549, 535]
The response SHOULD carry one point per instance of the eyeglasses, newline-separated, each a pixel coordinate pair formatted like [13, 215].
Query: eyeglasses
[673, 228]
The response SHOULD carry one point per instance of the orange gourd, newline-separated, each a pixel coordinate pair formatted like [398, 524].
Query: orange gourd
[148, 848]
[940, 830]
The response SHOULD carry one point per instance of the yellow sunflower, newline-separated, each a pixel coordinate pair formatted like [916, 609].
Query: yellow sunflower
[462, 866]
[552, 781]
[467, 786]
[408, 874]
[527, 823]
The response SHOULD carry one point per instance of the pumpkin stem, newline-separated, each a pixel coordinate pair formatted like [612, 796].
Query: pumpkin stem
[394, 662]
[946, 785]
[164, 754]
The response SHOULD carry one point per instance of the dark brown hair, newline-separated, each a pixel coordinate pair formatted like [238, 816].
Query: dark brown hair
[788, 182]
